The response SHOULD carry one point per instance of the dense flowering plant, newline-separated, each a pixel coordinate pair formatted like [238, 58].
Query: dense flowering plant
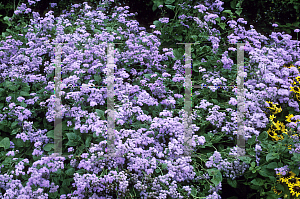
[149, 98]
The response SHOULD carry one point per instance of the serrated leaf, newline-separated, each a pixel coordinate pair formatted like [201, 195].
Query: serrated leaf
[5, 143]
[48, 147]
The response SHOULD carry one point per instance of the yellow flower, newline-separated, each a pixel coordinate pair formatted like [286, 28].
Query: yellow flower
[295, 89]
[297, 96]
[295, 190]
[288, 118]
[292, 181]
[287, 176]
[289, 147]
[272, 117]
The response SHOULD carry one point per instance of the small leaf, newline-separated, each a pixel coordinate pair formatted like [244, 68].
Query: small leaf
[157, 170]
[5, 143]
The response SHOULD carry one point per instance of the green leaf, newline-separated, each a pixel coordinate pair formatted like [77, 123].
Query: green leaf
[71, 136]
[164, 166]
[272, 156]
[169, 1]
[251, 140]
[217, 178]
[170, 7]
[156, 23]
[23, 93]
[263, 136]
[50, 134]
[71, 143]
[5, 143]
[245, 159]
[70, 171]
[48, 147]
[100, 113]
[194, 191]
[233, 4]
[157, 170]
[239, 11]
[81, 171]
[14, 124]
[231, 182]
[227, 11]
[97, 31]
[88, 141]
[222, 25]
[272, 178]
[279, 187]
[258, 182]
[214, 101]
[272, 165]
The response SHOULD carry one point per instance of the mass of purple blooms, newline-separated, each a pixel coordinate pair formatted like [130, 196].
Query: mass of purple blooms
[145, 164]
